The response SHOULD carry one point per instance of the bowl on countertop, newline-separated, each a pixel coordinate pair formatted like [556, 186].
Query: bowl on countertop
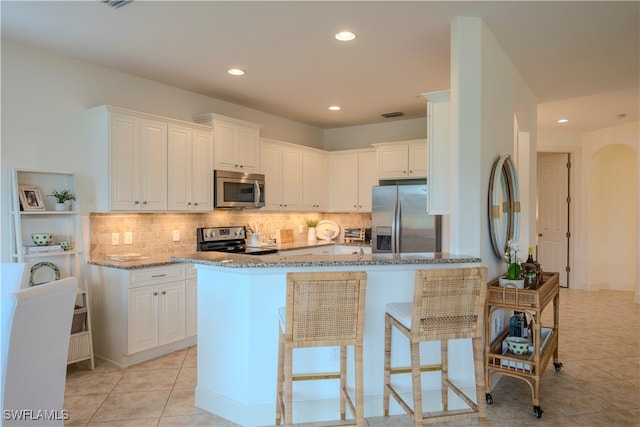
[42, 239]
[518, 345]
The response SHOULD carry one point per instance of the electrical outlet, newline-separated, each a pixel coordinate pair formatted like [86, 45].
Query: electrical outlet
[176, 235]
[115, 239]
[128, 238]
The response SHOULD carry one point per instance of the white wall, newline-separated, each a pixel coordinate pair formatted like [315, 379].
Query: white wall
[486, 93]
[351, 137]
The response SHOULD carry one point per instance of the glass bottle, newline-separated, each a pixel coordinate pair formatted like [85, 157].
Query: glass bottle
[530, 257]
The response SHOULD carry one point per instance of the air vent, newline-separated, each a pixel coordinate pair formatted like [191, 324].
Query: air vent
[392, 114]
[116, 4]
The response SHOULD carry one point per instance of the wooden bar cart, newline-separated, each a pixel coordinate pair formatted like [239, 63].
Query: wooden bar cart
[527, 367]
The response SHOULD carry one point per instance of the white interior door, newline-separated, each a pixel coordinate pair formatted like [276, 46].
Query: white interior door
[553, 213]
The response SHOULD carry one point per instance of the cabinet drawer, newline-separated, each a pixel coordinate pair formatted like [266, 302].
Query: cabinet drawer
[156, 275]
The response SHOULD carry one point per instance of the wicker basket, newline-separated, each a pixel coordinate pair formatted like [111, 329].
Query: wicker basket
[79, 319]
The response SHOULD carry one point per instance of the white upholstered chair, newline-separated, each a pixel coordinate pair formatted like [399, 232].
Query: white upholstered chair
[35, 362]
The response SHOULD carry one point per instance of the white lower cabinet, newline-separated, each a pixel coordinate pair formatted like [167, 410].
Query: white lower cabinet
[141, 313]
[156, 315]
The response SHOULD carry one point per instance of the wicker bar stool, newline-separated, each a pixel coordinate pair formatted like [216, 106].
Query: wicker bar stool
[447, 304]
[322, 309]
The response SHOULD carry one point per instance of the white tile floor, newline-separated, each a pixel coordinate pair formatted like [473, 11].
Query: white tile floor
[599, 384]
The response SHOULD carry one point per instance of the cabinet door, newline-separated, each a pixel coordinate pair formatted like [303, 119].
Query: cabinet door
[271, 167]
[418, 160]
[248, 148]
[179, 168]
[343, 182]
[367, 178]
[313, 176]
[124, 152]
[225, 137]
[393, 161]
[142, 319]
[171, 312]
[201, 171]
[153, 165]
[291, 179]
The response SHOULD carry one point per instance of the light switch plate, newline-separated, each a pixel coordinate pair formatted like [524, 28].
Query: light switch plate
[128, 238]
[176, 235]
[115, 239]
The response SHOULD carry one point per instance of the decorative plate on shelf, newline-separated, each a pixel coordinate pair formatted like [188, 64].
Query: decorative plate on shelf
[327, 230]
[43, 272]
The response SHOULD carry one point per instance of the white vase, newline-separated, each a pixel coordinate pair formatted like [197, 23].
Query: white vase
[518, 283]
[312, 237]
[61, 206]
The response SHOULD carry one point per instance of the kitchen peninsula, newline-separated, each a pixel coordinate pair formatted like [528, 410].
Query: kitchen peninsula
[238, 301]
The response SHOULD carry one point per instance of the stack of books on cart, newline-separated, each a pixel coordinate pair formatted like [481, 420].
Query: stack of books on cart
[31, 250]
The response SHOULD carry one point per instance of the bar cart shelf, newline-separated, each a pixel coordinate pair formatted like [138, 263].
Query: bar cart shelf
[544, 346]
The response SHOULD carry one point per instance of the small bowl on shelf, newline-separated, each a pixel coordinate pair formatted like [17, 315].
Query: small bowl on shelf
[517, 345]
[66, 245]
[42, 239]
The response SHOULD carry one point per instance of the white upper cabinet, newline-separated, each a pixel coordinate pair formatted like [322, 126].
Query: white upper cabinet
[352, 174]
[282, 168]
[130, 153]
[440, 162]
[314, 175]
[236, 143]
[190, 168]
[403, 159]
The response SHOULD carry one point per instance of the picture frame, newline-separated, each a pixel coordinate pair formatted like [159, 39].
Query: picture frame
[30, 198]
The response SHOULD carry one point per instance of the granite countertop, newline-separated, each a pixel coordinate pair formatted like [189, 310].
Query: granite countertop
[282, 260]
[155, 261]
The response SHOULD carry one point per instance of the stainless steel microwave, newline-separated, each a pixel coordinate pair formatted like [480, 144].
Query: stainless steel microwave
[238, 190]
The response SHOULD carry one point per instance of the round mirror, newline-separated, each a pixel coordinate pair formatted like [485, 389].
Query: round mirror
[504, 205]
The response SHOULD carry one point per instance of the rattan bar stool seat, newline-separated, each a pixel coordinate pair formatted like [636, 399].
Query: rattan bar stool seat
[322, 309]
[447, 304]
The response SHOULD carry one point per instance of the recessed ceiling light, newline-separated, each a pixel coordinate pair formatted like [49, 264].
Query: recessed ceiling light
[345, 36]
[563, 120]
[335, 108]
[236, 71]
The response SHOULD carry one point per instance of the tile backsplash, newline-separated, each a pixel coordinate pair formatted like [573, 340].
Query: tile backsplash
[152, 233]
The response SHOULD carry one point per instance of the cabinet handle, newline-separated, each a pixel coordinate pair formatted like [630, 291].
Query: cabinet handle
[136, 202]
[155, 293]
[159, 275]
[144, 203]
[195, 204]
[164, 292]
[188, 203]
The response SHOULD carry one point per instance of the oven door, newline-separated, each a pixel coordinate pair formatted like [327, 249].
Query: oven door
[238, 190]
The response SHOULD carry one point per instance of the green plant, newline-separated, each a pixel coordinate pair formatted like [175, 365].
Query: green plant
[514, 270]
[312, 222]
[62, 196]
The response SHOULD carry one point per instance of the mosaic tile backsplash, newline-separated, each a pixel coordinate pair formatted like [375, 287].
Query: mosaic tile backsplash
[152, 233]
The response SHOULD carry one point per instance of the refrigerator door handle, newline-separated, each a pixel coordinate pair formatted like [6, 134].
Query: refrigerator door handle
[399, 225]
[395, 230]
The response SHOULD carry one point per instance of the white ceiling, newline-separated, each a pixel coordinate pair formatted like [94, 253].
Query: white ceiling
[581, 59]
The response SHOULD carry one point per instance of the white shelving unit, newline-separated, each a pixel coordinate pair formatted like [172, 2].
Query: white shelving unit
[41, 217]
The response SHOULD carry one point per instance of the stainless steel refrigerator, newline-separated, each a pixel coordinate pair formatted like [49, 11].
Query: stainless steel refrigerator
[399, 221]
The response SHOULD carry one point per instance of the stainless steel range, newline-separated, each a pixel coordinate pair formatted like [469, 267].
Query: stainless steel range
[228, 239]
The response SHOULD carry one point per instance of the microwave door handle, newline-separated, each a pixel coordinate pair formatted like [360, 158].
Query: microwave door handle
[256, 198]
